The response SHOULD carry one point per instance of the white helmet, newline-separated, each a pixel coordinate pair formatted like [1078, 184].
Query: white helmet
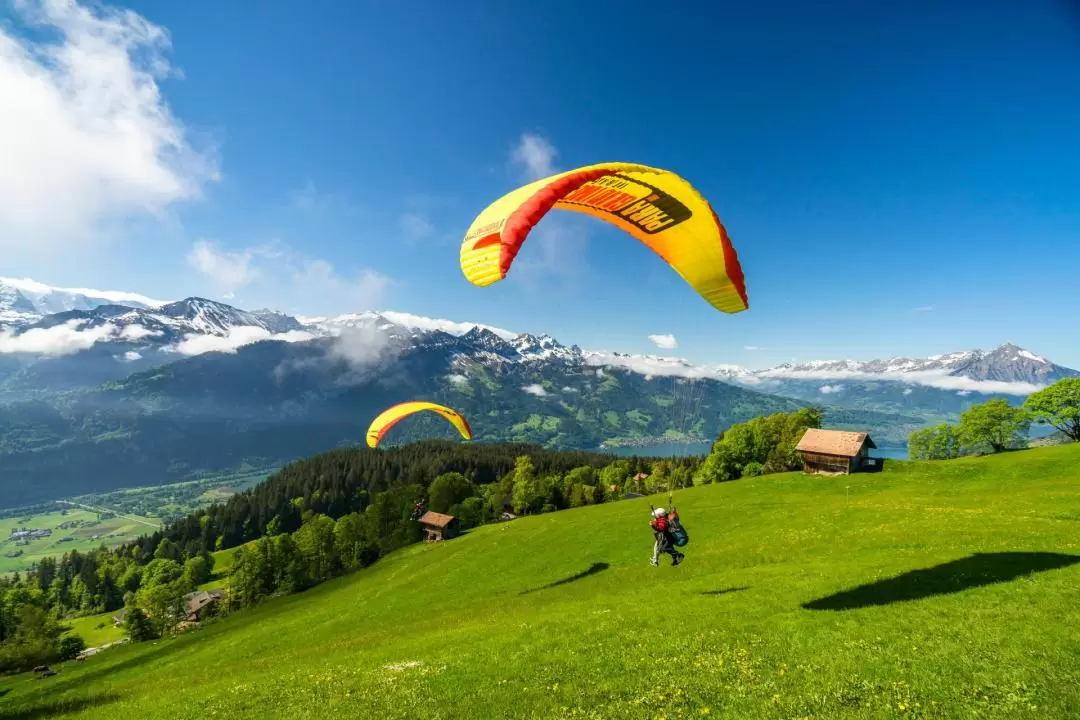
[659, 512]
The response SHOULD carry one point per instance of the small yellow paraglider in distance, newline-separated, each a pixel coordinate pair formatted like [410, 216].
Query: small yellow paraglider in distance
[392, 415]
[657, 207]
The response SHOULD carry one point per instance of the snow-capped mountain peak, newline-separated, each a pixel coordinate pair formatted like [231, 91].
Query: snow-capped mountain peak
[208, 317]
[543, 347]
[24, 301]
[488, 341]
[1007, 369]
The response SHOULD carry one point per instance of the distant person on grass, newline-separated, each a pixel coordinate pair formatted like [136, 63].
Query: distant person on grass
[665, 541]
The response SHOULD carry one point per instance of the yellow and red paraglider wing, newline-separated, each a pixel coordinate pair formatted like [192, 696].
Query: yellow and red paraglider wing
[392, 415]
[657, 207]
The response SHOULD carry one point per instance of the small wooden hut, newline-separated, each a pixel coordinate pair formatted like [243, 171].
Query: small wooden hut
[836, 452]
[439, 527]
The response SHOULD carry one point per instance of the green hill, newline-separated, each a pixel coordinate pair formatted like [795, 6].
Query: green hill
[930, 590]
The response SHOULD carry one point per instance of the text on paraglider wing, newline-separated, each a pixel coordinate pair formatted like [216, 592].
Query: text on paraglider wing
[646, 207]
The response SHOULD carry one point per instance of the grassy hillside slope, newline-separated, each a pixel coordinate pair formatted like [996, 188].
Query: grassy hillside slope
[561, 616]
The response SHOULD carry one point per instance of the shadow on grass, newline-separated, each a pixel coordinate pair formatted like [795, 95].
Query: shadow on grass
[951, 577]
[54, 708]
[593, 569]
[724, 591]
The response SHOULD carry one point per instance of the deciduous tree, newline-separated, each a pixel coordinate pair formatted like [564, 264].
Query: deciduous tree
[1058, 405]
[996, 425]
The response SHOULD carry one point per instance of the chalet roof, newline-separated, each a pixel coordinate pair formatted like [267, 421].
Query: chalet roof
[834, 442]
[436, 519]
[201, 598]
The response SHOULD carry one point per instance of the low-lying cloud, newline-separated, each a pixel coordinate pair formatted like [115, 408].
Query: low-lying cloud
[658, 366]
[69, 338]
[66, 339]
[138, 332]
[361, 347]
[235, 339]
[939, 379]
[537, 390]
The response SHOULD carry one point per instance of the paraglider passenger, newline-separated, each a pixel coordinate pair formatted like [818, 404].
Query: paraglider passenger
[665, 542]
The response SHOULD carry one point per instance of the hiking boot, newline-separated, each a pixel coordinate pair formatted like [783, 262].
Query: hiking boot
[654, 562]
[677, 559]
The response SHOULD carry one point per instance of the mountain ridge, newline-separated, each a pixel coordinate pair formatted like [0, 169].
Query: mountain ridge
[1006, 364]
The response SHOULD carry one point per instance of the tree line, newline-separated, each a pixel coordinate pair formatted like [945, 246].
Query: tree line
[996, 426]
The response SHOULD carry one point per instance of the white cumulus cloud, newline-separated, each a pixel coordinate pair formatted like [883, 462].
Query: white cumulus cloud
[536, 390]
[664, 341]
[751, 347]
[132, 356]
[275, 275]
[227, 271]
[85, 134]
[827, 389]
[535, 155]
[457, 379]
[908, 391]
[415, 227]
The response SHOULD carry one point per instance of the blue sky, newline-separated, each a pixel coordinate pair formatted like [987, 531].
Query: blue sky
[896, 180]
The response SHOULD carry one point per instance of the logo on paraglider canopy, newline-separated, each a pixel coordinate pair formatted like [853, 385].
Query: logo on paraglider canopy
[488, 233]
[648, 208]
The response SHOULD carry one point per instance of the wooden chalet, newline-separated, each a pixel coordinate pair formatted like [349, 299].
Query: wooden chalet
[836, 452]
[439, 527]
[201, 603]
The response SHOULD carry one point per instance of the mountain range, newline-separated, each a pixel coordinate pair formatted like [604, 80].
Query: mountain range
[103, 393]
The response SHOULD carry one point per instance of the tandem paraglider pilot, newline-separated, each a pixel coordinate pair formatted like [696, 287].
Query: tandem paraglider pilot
[663, 529]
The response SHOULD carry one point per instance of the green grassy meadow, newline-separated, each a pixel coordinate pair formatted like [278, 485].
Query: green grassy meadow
[87, 627]
[55, 544]
[931, 590]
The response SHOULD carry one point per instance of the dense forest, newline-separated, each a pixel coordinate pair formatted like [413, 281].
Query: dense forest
[350, 480]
